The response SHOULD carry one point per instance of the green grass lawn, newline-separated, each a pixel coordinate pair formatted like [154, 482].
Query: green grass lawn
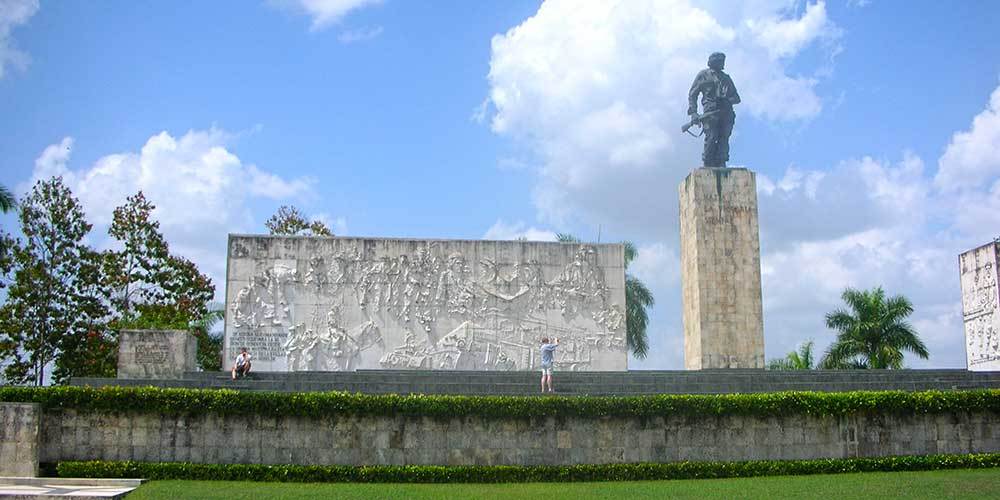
[972, 483]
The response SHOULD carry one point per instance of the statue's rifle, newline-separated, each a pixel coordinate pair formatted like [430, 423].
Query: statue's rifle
[699, 121]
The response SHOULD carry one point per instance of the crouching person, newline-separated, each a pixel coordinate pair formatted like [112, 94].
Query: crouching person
[242, 366]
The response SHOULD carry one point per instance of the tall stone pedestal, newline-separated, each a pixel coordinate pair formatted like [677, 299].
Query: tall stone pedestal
[720, 270]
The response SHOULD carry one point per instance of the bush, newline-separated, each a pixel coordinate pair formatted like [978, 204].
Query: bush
[514, 473]
[318, 404]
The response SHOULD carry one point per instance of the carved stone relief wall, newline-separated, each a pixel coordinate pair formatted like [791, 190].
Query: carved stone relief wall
[979, 307]
[335, 304]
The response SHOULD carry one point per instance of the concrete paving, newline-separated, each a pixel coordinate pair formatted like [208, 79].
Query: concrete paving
[64, 488]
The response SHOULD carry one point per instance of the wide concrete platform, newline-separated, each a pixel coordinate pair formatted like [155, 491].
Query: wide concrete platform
[65, 488]
[577, 383]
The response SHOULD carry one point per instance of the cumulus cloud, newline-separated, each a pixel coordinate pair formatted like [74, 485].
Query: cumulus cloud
[889, 224]
[13, 13]
[784, 36]
[325, 13]
[862, 223]
[851, 197]
[973, 156]
[336, 224]
[201, 189]
[658, 265]
[593, 90]
[505, 231]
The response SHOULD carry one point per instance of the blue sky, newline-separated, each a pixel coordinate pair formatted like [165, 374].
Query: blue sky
[873, 127]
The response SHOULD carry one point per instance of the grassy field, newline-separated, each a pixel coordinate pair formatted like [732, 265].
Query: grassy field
[978, 484]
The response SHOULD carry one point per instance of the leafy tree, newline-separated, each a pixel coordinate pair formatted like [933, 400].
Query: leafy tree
[144, 271]
[7, 245]
[289, 221]
[801, 359]
[56, 297]
[7, 200]
[154, 289]
[638, 300]
[872, 332]
[135, 270]
[91, 351]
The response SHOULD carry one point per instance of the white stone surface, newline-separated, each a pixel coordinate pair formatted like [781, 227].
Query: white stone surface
[720, 270]
[978, 268]
[335, 304]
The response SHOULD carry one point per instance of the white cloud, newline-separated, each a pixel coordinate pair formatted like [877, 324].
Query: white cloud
[201, 189]
[13, 13]
[336, 224]
[657, 265]
[325, 13]
[594, 89]
[518, 230]
[972, 158]
[783, 36]
[53, 159]
[360, 34]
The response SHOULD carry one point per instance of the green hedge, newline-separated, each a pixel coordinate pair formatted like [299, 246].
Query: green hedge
[514, 473]
[318, 404]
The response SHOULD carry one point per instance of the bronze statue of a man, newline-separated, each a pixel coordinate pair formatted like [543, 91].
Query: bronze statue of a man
[718, 94]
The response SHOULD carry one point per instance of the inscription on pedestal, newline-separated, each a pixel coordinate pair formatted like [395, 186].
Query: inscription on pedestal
[156, 353]
[147, 353]
[266, 344]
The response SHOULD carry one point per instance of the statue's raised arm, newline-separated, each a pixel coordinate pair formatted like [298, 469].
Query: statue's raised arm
[718, 95]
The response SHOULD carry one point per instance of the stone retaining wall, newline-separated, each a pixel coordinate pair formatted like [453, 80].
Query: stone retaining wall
[19, 425]
[352, 440]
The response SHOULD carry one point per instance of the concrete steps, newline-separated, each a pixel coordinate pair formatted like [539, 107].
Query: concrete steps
[576, 383]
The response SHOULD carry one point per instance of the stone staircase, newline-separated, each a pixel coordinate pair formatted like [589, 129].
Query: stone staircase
[575, 383]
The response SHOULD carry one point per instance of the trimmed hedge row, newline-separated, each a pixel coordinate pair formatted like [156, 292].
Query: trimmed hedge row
[517, 474]
[318, 404]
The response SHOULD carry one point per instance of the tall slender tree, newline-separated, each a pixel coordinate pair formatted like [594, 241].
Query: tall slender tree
[638, 300]
[55, 296]
[872, 332]
[151, 287]
[144, 271]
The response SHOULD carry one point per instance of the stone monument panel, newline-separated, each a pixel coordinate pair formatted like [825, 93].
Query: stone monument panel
[335, 304]
[978, 271]
[720, 270]
[156, 353]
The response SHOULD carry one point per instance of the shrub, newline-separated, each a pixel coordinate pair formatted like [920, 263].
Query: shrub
[317, 404]
[515, 473]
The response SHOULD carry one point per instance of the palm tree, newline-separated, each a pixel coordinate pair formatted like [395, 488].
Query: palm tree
[7, 200]
[873, 333]
[801, 359]
[638, 299]
[209, 343]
